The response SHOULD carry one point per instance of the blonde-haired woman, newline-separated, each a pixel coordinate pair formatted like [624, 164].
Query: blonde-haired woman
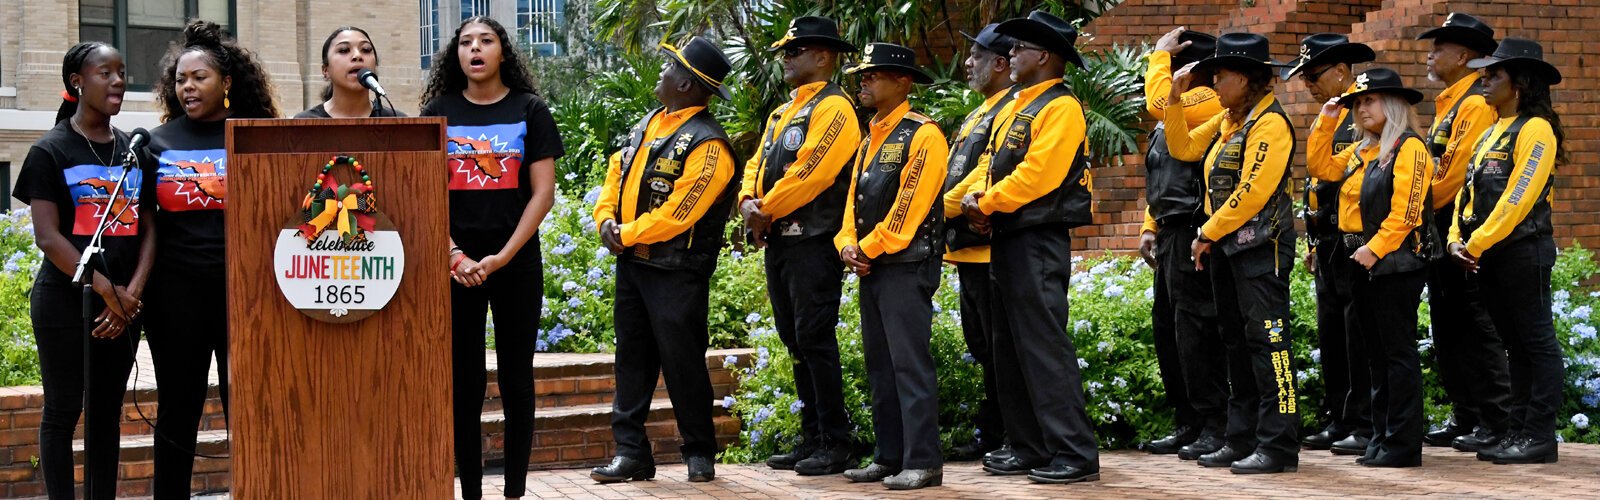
[1386, 227]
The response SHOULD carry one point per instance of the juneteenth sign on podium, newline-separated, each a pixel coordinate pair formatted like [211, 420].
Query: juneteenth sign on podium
[340, 344]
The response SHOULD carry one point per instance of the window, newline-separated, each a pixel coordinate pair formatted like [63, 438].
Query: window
[471, 8]
[430, 31]
[144, 29]
[539, 26]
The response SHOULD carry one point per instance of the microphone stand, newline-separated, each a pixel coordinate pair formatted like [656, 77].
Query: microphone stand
[90, 262]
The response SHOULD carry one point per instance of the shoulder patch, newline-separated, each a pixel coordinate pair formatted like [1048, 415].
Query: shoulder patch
[918, 117]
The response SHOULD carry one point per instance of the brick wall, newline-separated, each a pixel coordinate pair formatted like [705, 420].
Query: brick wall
[1389, 26]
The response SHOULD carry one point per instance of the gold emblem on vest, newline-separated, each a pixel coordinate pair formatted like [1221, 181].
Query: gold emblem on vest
[669, 166]
[890, 155]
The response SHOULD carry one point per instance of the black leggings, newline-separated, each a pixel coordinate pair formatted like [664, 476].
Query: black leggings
[514, 296]
[187, 321]
[56, 312]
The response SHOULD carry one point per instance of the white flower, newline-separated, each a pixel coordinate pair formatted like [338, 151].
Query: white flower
[1082, 364]
[1580, 421]
[1316, 355]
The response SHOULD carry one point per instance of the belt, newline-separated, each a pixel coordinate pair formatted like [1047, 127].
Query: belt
[1352, 241]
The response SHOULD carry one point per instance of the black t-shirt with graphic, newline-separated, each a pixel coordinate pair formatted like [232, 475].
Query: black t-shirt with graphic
[490, 147]
[321, 112]
[62, 169]
[186, 173]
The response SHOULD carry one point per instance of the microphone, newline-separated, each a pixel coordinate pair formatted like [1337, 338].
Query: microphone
[369, 79]
[140, 138]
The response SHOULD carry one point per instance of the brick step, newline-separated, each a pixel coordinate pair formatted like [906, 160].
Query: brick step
[563, 437]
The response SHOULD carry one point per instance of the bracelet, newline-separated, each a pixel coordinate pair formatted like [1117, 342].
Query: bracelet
[456, 251]
[457, 262]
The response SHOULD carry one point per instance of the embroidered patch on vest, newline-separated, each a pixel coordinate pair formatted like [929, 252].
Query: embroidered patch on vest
[793, 137]
[891, 154]
[669, 166]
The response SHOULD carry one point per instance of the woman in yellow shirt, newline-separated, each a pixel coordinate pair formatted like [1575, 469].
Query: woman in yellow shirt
[1502, 232]
[1385, 226]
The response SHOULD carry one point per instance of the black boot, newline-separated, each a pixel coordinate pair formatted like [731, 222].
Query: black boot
[1202, 446]
[1171, 443]
[1063, 474]
[1325, 439]
[623, 469]
[1443, 436]
[1490, 453]
[701, 469]
[1354, 444]
[1261, 463]
[826, 461]
[1480, 439]
[1528, 450]
[998, 455]
[786, 461]
[1224, 457]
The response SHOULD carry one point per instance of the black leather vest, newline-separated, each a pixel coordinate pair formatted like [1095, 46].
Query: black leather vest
[1171, 186]
[1322, 221]
[1439, 136]
[822, 216]
[1067, 203]
[1377, 192]
[965, 152]
[1274, 221]
[878, 190]
[1490, 176]
[697, 248]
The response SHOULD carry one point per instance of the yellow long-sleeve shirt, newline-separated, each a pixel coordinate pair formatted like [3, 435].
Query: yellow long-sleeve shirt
[706, 170]
[1058, 135]
[921, 180]
[1514, 204]
[975, 177]
[821, 156]
[1472, 119]
[1325, 164]
[1199, 104]
[1260, 174]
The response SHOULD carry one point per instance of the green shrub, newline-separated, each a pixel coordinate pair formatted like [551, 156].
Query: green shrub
[19, 258]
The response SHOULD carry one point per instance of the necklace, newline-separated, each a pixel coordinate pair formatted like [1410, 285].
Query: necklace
[114, 141]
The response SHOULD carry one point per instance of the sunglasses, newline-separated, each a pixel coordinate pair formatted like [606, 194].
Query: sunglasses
[1024, 46]
[1310, 77]
[792, 52]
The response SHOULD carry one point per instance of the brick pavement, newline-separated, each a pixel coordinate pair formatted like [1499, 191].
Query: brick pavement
[1127, 475]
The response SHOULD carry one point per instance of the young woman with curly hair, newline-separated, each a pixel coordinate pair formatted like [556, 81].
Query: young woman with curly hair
[502, 150]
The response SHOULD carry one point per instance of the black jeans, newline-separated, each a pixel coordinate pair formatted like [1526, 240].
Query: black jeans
[515, 297]
[979, 335]
[57, 315]
[804, 282]
[1187, 342]
[1252, 290]
[897, 335]
[1519, 274]
[1347, 383]
[187, 322]
[1387, 309]
[1041, 386]
[660, 318]
[1470, 355]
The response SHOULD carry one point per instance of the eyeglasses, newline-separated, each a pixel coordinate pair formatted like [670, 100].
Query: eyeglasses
[792, 52]
[1024, 46]
[1310, 77]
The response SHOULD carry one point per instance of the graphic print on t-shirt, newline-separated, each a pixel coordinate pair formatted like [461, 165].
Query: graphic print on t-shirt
[192, 180]
[485, 156]
[90, 187]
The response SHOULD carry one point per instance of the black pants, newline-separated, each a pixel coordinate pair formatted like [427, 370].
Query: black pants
[975, 328]
[804, 280]
[1387, 309]
[1184, 320]
[1041, 388]
[661, 330]
[1252, 290]
[1518, 273]
[57, 315]
[1467, 348]
[1347, 383]
[896, 337]
[514, 296]
[187, 323]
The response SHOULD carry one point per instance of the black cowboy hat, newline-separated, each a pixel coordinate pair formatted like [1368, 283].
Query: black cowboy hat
[1523, 53]
[1201, 46]
[1242, 49]
[705, 61]
[1465, 30]
[992, 41]
[890, 57]
[1382, 80]
[1045, 30]
[1324, 48]
[813, 30]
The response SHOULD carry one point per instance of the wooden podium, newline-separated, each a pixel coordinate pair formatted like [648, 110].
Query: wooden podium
[322, 410]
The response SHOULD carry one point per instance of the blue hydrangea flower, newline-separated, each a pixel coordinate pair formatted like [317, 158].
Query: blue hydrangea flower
[795, 407]
[729, 361]
[966, 357]
[1114, 291]
[727, 401]
[592, 196]
[752, 317]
